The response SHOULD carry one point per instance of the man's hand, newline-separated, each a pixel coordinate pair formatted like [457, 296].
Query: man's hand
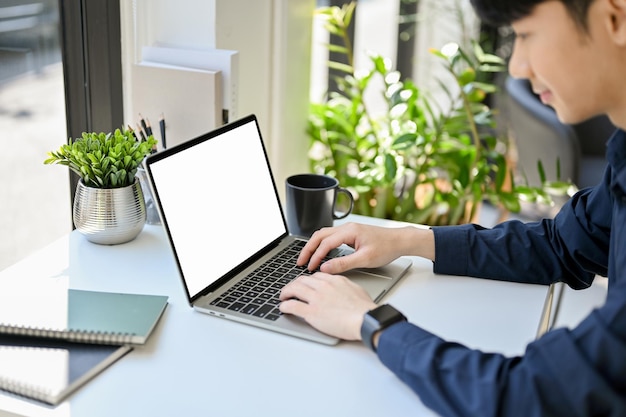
[330, 303]
[374, 246]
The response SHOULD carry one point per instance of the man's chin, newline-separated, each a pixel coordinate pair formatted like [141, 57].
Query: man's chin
[570, 118]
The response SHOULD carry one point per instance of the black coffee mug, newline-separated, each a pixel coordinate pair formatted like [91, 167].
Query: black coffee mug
[310, 202]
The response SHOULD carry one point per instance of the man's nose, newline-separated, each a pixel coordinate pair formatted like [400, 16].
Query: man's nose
[518, 63]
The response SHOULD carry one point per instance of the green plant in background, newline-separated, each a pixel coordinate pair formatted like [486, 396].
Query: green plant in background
[417, 161]
[104, 160]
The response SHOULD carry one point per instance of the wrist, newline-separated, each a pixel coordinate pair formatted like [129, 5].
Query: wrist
[419, 241]
[375, 339]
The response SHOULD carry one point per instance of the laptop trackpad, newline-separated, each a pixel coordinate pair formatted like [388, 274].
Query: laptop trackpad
[378, 281]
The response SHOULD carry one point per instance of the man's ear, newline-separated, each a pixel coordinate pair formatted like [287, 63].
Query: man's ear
[617, 21]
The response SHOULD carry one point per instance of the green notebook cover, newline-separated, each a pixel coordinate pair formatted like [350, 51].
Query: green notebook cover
[83, 316]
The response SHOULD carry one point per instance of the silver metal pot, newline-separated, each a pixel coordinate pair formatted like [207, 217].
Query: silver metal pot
[109, 216]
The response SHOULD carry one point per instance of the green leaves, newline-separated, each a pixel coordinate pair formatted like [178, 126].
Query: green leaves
[404, 141]
[104, 160]
[337, 20]
[414, 160]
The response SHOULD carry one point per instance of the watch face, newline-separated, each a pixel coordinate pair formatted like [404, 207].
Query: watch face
[385, 314]
[377, 320]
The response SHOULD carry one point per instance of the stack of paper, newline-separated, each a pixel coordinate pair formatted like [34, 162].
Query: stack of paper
[54, 339]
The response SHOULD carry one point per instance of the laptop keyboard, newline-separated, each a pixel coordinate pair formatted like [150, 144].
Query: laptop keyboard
[257, 293]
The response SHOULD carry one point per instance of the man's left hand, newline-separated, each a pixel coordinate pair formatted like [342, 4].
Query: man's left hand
[330, 303]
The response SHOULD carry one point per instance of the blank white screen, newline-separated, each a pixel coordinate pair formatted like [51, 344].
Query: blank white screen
[220, 204]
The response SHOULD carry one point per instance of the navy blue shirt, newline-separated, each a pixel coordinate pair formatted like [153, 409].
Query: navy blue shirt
[577, 372]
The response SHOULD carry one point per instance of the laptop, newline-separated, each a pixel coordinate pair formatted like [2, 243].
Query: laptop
[220, 207]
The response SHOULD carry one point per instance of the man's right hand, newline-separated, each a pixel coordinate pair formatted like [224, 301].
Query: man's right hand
[373, 246]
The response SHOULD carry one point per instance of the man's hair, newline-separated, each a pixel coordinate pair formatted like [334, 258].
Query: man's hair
[505, 12]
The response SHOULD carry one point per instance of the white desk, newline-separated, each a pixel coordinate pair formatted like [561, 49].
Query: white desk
[195, 363]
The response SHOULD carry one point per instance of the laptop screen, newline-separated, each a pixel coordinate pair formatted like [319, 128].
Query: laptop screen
[218, 201]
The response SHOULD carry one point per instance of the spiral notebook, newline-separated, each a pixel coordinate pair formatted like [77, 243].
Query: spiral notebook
[49, 370]
[55, 312]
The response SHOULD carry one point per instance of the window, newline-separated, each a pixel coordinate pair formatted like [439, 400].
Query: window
[41, 45]
[35, 206]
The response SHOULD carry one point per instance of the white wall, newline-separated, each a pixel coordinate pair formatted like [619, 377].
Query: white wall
[273, 38]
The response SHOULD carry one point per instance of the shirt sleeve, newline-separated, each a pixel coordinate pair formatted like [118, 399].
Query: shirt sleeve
[575, 372]
[566, 372]
[573, 247]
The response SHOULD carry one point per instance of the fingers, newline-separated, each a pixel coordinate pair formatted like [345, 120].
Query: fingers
[315, 249]
[298, 288]
[293, 306]
[330, 303]
[295, 296]
[341, 264]
[321, 243]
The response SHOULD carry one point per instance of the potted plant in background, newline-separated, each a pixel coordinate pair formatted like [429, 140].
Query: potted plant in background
[418, 161]
[109, 206]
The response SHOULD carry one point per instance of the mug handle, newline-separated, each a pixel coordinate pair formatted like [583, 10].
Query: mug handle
[349, 194]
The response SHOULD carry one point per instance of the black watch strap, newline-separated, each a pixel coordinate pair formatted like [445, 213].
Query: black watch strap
[377, 320]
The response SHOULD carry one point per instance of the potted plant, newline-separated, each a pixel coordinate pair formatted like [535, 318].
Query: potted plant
[418, 161]
[109, 206]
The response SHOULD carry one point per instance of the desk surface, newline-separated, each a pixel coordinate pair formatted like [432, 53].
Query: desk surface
[199, 363]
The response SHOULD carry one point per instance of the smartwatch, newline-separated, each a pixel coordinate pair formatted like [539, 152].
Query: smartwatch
[377, 320]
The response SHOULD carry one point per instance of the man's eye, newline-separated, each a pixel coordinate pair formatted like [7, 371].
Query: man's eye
[521, 36]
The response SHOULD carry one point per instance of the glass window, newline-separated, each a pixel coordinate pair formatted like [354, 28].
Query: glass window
[34, 198]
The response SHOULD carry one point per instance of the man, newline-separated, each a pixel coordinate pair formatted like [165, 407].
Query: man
[574, 54]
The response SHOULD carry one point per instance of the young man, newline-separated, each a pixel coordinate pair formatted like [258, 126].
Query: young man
[574, 54]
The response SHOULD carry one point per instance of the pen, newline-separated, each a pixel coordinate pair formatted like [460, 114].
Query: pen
[162, 126]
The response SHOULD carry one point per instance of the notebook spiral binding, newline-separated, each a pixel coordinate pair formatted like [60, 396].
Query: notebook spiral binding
[69, 335]
[24, 390]
[23, 384]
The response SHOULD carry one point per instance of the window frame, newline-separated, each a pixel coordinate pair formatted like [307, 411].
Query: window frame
[92, 67]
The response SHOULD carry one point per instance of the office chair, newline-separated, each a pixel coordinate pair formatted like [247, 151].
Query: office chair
[539, 135]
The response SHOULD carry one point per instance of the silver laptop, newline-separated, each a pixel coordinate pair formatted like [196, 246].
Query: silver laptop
[221, 210]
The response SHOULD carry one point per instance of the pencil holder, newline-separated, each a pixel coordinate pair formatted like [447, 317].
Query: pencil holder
[152, 213]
